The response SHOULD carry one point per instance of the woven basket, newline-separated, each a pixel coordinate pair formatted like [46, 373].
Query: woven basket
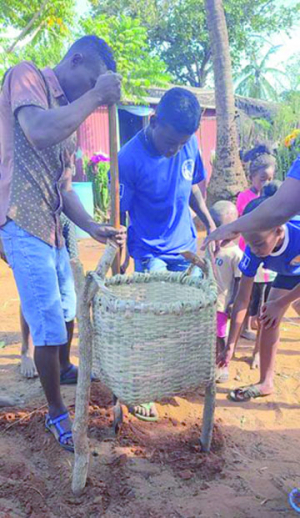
[154, 334]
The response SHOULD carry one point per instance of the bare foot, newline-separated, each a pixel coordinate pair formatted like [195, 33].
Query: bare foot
[28, 368]
[145, 412]
[255, 362]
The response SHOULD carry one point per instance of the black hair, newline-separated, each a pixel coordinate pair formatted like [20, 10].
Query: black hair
[92, 46]
[261, 156]
[180, 109]
[269, 190]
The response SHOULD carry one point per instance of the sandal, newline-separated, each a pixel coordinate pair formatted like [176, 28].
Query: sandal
[148, 407]
[240, 395]
[62, 436]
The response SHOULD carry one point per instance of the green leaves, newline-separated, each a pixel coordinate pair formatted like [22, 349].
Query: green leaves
[177, 30]
[139, 66]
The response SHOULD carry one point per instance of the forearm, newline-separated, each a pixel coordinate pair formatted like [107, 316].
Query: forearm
[55, 125]
[198, 205]
[238, 316]
[75, 211]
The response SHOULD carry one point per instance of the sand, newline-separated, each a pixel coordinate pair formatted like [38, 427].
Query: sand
[151, 469]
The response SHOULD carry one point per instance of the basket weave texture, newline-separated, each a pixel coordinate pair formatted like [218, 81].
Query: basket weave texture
[154, 335]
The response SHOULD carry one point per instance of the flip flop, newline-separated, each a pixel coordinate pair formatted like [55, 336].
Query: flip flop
[69, 377]
[146, 406]
[240, 395]
[61, 435]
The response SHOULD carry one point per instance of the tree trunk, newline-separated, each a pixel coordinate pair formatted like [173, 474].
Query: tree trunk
[228, 177]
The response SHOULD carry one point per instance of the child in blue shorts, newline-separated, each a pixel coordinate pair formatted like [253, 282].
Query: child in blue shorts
[277, 249]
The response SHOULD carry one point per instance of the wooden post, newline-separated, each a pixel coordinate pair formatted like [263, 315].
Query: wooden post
[208, 416]
[80, 425]
[114, 172]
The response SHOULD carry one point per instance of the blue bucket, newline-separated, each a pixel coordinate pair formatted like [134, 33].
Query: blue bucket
[84, 190]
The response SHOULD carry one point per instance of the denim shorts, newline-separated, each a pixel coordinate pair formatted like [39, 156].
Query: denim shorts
[45, 284]
[164, 264]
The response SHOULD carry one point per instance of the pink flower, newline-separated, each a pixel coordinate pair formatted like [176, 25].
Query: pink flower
[99, 157]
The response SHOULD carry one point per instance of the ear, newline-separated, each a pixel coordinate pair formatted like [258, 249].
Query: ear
[76, 60]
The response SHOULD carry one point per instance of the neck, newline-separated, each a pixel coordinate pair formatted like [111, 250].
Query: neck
[150, 141]
[253, 189]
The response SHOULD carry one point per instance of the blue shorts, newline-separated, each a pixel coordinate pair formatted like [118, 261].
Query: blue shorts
[163, 264]
[45, 284]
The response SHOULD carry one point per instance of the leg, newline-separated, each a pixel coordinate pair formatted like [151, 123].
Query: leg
[208, 417]
[264, 289]
[28, 368]
[65, 350]
[268, 344]
[34, 267]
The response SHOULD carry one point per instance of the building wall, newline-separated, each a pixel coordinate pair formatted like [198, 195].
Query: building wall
[93, 136]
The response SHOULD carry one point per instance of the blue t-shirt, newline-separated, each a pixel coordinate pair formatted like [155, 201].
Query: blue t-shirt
[155, 191]
[285, 261]
[294, 171]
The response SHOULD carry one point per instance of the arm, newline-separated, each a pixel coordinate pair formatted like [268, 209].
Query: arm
[198, 205]
[75, 211]
[273, 212]
[124, 218]
[233, 297]
[239, 311]
[44, 128]
[273, 310]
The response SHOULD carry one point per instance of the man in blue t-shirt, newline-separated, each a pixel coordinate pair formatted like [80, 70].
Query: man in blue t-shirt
[160, 171]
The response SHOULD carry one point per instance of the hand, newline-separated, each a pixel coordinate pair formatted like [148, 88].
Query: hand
[125, 265]
[102, 233]
[224, 357]
[224, 234]
[271, 314]
[108, 88]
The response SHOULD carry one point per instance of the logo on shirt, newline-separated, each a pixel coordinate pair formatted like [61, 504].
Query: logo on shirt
[121, 190]
[187, 169]
[245, 262]
[295, 261]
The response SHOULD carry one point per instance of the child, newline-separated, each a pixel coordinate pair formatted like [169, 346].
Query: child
[279, 250]
[261, 172]
[227, 276]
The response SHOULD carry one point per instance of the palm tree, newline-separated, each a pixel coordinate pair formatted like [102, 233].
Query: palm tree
[228, 177]
[253, 79]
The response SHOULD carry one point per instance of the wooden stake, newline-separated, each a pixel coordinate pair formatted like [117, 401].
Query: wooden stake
[114, 172]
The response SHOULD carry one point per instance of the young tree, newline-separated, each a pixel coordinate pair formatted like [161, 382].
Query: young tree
[128, 39]
[228, 175]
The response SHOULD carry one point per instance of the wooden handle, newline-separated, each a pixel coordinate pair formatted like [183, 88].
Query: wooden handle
[114, 175]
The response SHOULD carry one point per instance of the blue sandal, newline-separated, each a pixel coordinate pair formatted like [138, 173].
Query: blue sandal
[62, 437]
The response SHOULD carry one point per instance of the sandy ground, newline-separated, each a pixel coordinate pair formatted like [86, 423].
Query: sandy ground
[151, 470]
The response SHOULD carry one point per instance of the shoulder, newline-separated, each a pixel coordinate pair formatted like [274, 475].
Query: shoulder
[131, 149]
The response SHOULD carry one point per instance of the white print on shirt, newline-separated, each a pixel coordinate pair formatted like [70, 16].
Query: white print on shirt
[245, 262]
[121, 190]
[187, 169]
